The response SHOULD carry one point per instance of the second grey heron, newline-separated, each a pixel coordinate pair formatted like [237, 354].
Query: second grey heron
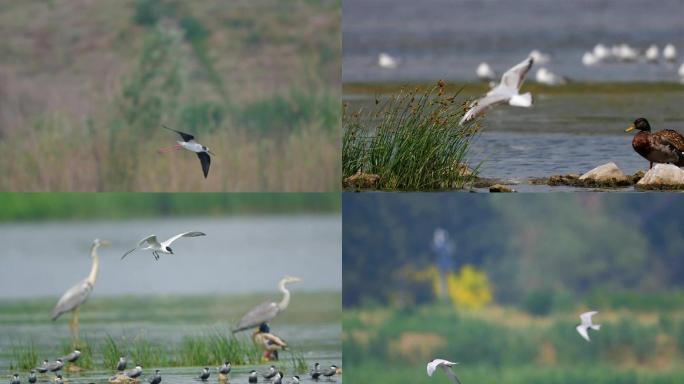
[72, 299]
[445, 365]
[267, 311]
[151, 243]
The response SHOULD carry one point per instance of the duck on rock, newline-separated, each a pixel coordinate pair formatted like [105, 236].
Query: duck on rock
[664, 146]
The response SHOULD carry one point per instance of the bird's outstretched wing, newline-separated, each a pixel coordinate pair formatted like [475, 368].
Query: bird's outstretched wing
[206, 162]
[186, 234]
[185, 136]
[582, 330]
[480, 106]
[72, 298]
[432, 366]
[586, 317]
[149, 240]
[262, 313]
[450, 373]
[512, 80]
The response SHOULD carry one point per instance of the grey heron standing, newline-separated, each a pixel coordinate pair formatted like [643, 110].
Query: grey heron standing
[267, 311]
[72, 299]
[151, 243]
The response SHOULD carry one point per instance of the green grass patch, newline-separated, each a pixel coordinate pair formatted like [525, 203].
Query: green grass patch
[412, 140]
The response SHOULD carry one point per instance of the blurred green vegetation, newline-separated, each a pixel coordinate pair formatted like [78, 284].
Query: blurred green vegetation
[50, 206]
[509, 345]
[258, 82]
[541, 252]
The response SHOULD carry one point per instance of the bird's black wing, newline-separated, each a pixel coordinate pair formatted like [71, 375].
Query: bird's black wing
[206, 162]
[185, 136]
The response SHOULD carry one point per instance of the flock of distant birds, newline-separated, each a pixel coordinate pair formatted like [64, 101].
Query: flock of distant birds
[583, 329]
[273, 374]
[664, 146]
[258, 317]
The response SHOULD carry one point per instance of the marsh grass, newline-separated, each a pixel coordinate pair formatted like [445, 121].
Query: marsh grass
[297, 361]
[216, 347]
[412, 140]
[25, 356]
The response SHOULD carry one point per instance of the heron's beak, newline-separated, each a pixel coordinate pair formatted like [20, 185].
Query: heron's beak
[630, 128]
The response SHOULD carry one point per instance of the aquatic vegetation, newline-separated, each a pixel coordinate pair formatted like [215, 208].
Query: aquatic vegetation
[297, 361]
[217, 347]
[412, 140]
[24, 356]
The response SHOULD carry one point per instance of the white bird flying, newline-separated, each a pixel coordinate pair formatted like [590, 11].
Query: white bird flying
[506, 92]
[387, 61]
[151, 243]
[485, 72]
[670, 52]
[601, 52]
[544, 76]
[582, 329]
[445, 365]
[540, 58]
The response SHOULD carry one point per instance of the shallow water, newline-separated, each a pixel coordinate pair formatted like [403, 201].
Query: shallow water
[447, 39]
[240, 254]
[564, 132]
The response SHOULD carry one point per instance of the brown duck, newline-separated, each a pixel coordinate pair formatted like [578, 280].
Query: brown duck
[664, 146]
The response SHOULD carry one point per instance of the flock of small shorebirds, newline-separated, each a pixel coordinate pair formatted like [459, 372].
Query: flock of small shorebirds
[272, 375]
[583, 329]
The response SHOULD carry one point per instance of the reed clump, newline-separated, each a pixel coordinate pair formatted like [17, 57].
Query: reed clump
[411, 140]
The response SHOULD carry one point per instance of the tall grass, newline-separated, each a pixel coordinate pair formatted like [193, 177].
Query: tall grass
[269, 109]
[412, 140]
[24, 355]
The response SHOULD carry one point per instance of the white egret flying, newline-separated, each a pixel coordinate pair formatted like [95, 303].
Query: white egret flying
[445, 365]
[72, 299]
[151, 243]
[267, 311]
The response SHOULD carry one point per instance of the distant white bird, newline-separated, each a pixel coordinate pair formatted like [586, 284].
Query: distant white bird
[156, 247]
[387, 61]
[506, 92]
[485, 72]
[589, 59]
[582, 329]
[601, 52]
[670, 52]
[445, 365]
[624, 52]
[681, 71]
[540, 58]
[544, 76]
[652, 53]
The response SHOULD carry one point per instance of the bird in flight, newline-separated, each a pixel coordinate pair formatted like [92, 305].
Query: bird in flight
[445, 365]
[151, 243]
[190, 144]
[583, 328]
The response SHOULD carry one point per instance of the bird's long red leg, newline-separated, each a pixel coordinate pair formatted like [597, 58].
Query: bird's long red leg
[171, 148]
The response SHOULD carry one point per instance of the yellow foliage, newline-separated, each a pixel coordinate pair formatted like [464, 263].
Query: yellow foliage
[469, 288]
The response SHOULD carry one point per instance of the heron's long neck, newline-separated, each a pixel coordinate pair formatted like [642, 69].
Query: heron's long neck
[286, 297]
[93, 270]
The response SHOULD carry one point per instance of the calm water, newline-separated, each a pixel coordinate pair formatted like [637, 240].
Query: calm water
[238, 255]
[447, 39]
[564, 133]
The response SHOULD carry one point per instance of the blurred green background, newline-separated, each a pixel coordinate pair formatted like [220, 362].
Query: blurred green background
[86, 85]
[522, 269]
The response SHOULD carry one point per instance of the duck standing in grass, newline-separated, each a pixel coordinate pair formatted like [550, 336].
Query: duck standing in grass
[268, 342]
[664, 146]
